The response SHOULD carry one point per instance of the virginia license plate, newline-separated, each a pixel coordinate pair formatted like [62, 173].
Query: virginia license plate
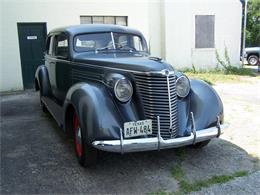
[138, 128]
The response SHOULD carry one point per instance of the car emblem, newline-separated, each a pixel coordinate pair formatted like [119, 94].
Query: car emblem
[166, 72]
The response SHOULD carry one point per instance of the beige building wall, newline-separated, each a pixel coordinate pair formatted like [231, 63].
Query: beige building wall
[180, 31]
[168, 25]
[59, 13]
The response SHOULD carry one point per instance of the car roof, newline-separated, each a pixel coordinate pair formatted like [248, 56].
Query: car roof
[95, 28]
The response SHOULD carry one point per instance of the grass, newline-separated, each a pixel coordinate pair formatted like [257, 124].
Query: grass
[177, 173]
[186, 187]
[219, 75]
[161, 193]
[181, 153]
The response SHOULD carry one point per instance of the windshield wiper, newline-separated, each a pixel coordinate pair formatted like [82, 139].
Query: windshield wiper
[119, 48]
[126, 48]
[104, 49]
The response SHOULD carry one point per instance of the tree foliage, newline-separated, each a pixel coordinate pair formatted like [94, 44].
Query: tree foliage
[253, 24]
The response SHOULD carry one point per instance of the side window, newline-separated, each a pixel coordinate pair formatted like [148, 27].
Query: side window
[61, 46]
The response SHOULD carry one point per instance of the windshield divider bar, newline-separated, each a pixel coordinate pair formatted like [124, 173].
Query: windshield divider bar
[113, 41]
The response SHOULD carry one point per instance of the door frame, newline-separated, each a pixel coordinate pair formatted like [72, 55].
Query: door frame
[19, 24]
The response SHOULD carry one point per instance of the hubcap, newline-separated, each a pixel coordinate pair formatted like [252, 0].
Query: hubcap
[252, 61]
[77, 135]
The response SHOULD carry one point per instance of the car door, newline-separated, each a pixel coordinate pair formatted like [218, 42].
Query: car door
[61, 67]
[50, 62]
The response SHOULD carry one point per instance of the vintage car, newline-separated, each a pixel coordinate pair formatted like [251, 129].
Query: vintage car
[102, 87]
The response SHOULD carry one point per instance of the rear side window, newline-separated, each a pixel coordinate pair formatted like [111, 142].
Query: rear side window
[61, 46]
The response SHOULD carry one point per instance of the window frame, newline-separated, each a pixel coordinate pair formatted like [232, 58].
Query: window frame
[74, 37]
[104, 16]
[55, 45]
[49, 45]
[141, 37]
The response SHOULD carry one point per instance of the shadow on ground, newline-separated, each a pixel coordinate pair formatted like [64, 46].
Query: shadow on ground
[37, 157]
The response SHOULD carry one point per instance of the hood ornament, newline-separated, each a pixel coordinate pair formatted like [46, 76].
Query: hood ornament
[165, 72]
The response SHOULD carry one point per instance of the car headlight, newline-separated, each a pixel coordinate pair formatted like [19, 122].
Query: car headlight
[123, 89]
[182, 86]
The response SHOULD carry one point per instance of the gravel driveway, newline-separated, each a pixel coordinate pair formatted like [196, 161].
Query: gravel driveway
[36, 157]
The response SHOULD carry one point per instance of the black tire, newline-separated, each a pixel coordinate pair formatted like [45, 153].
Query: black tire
[86, 154]
[253, 60]
[201, 144]
[43, 107]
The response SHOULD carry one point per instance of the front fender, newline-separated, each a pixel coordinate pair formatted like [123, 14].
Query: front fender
[42, 79]
[98, 114]
[205, 104]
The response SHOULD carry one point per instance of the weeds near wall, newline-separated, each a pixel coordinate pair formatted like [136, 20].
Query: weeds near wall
[224, 71]
[226, 64]
[194, 68]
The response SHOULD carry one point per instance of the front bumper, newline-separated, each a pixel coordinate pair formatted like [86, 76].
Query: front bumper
[157, 143]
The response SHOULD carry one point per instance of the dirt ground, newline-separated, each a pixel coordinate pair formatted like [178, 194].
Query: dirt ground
[242, 111]
[36, 157]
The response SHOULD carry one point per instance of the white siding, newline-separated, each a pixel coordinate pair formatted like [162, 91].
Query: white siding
[180, 37]
[56, 13]
[169, 26]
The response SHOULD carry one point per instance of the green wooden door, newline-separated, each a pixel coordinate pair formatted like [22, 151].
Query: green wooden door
[32, 45]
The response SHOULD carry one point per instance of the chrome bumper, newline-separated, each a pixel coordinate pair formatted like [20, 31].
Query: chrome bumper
[157, 143]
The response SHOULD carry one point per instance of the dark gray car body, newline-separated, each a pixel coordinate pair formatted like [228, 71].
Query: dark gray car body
[85, 81]
[252, 54]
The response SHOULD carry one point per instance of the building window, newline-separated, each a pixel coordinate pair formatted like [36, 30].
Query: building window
[119, 20]
[205, 31]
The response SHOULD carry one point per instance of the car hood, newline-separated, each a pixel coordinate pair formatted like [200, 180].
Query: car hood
[125, 61]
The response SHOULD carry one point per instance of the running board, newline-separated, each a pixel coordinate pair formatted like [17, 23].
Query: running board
[54, 109]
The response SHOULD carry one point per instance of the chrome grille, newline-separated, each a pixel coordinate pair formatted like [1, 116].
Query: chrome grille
[158, 96]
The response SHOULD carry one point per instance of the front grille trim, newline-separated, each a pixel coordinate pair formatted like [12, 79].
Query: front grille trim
[158, 97]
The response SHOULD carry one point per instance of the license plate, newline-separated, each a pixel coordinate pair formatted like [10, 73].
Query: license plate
[138, 128]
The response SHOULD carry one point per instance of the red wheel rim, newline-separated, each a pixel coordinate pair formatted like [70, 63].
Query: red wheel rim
[77, 135]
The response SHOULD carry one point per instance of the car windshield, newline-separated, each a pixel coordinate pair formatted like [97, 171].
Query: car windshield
[109, 42]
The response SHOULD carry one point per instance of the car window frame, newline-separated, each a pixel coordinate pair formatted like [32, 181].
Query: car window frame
[74, 37]
[141, 37]
[51, 46]
[54, 46]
